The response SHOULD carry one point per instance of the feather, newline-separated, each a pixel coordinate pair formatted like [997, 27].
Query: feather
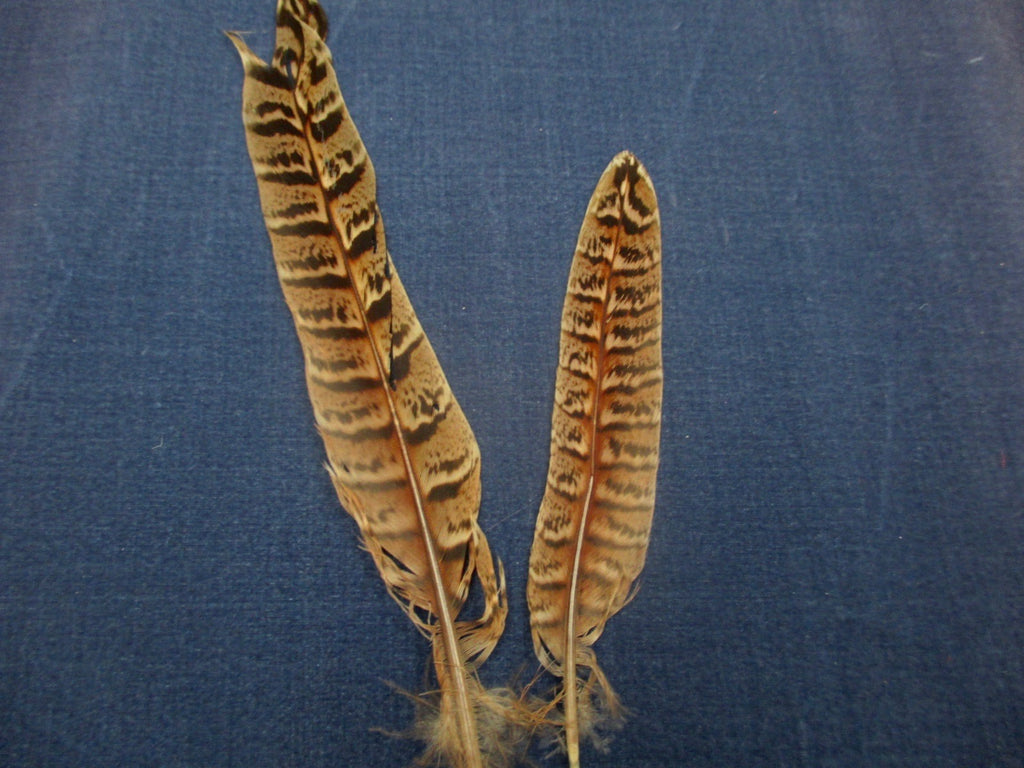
[400, 451]
[594, 523]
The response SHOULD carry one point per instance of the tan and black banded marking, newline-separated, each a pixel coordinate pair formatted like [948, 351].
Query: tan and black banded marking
[401, 453]
[594, 524]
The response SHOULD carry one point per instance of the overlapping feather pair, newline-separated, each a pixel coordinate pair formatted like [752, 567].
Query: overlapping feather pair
[400, 451]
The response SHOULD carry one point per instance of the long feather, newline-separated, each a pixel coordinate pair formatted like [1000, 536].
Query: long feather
[594, 522]
[400, 451]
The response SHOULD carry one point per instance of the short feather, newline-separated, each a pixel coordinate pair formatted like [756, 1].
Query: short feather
[594, 523]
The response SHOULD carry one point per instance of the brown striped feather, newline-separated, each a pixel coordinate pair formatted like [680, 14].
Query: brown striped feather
[594, 523]
[400, 451]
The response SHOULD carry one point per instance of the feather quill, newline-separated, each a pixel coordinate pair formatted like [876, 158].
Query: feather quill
[594, 523]
[400, 451]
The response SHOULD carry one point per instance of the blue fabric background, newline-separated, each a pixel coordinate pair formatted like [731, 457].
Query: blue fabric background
[836, 576]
